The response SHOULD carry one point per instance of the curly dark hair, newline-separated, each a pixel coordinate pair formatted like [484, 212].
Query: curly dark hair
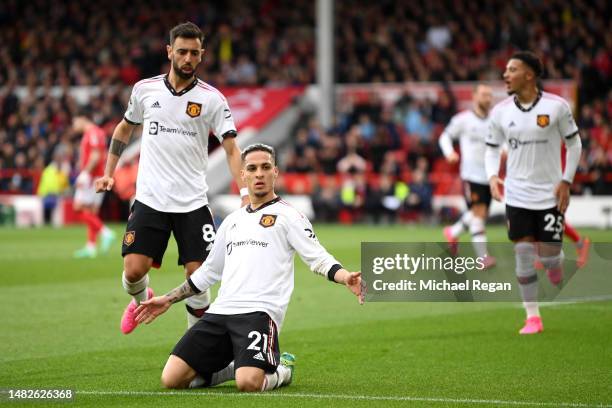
[186, 30]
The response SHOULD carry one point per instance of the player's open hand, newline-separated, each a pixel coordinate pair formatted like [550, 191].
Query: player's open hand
[104, 183]
[496, 184]
[354, 284]
[562, 192]
[148, 310]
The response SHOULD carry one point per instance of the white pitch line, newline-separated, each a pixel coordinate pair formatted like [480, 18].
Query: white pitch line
[346, 397]
[576, 300]
[568, 301]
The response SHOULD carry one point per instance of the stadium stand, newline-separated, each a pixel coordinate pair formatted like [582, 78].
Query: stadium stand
[270, 43]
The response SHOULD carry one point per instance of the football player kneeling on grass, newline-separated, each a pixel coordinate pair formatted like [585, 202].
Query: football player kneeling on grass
[237, 338]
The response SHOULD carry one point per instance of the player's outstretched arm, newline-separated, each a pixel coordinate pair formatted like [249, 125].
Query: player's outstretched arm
[148, 310]
[352, 280]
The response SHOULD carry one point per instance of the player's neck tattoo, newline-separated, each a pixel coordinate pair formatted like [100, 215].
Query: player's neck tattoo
[117, 147]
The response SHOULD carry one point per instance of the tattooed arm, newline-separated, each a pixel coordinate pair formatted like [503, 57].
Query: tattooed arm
[148, 310]
[181, 292]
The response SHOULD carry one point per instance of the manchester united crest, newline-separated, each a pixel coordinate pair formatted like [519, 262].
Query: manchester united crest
[129, 237]
[267, 220]
[194, 109]
[543, 120]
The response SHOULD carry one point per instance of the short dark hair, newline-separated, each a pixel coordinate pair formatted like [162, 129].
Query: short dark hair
[259, 147]
[531, 60]
[186, 30]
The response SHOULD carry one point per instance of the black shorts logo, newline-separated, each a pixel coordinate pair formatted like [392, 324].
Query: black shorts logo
[129, 237]
[267, 220]
[194, 109]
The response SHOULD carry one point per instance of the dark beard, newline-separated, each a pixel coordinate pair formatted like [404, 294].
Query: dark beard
[511, 92]
[181, 74]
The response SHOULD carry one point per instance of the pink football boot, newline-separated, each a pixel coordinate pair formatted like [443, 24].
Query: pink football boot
[128, 320]
[533, 325]
[555, 275]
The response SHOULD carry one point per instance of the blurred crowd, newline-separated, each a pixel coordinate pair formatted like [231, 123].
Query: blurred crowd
[394, 41]
[33, 128]
[46, 46]
[68, 43]
[272, 42]
[383, 162]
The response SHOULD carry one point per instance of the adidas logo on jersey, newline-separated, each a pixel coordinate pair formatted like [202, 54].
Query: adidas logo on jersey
[511, 124]
[156, 105]
[259, 357]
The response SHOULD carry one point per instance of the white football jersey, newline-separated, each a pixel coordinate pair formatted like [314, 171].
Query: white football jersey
[471, 130]
[253, 257]
[174, 149]
[534, 137]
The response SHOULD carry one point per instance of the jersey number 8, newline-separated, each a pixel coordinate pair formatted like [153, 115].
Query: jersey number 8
[208, 233]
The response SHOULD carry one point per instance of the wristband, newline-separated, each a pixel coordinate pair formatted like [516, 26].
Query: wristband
[244, 192]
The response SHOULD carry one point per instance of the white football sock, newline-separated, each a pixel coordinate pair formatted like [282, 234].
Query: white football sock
[527, 277]
[197, 302]
[224, 375]
[217, 378]
[280, 377]
[532, 309]
[137, 289]
[462, 224]
[553, 262]
[479, 238]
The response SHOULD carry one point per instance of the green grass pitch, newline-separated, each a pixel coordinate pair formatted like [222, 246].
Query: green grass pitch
[59, 328]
